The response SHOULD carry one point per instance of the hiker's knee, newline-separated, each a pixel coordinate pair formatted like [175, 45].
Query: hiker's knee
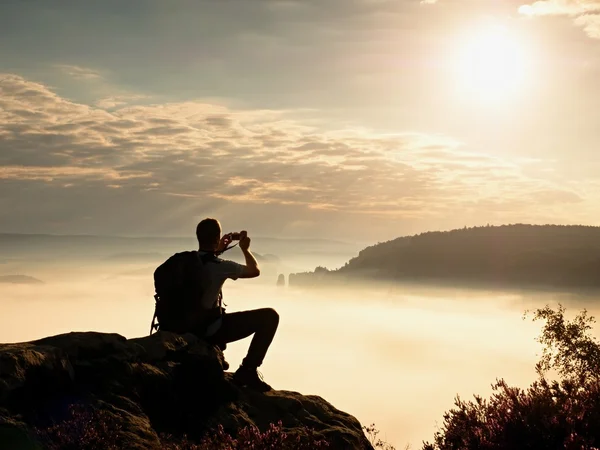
[271, 316]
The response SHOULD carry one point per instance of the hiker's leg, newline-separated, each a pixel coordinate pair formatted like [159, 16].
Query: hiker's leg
[239, 325]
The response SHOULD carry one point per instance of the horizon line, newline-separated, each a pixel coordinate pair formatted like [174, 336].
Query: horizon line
[4, 233]
[7, 233]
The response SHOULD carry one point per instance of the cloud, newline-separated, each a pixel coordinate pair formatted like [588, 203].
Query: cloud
[119, 100]
[78, 72]
[560, 7]
[183, 155]
[586, 13]
[50, 174]
[590, 24]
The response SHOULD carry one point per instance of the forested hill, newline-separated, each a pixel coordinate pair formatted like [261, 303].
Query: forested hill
[550, 255]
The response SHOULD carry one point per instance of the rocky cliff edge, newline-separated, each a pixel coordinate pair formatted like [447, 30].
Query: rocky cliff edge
[142, 390]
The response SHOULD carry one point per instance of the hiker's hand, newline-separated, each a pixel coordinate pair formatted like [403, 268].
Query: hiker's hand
[224, 242]
[244, 240]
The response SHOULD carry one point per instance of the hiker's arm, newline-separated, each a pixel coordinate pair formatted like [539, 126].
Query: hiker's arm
[251, 269]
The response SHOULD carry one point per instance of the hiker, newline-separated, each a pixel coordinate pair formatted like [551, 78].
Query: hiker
[238, 325]
[203, 314]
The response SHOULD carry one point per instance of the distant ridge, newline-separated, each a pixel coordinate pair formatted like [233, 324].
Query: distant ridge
[19, 279]
[517, 254]
[48, 248]
[160, 238]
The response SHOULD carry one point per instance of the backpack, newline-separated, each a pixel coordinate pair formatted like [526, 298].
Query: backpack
[179, 283]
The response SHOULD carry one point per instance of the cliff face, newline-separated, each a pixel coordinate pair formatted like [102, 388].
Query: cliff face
[151, 386]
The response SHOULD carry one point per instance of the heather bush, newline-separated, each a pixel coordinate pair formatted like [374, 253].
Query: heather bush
[82, 429]
[553, 413]
[99, 430]
[250, 438]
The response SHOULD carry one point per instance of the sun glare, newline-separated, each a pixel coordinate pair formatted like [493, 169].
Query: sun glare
[491, 64]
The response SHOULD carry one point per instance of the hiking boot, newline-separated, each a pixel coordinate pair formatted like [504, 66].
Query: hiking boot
[251, 378]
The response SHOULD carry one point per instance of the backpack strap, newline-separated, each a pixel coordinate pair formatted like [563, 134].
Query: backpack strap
[225, 249]
[153, 325]
[212, 257]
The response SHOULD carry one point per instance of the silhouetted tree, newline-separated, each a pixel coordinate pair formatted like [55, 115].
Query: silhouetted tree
[562, 413]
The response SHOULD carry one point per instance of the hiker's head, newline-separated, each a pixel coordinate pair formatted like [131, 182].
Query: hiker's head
[208, 233]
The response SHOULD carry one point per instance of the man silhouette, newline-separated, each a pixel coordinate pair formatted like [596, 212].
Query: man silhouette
[238, 325]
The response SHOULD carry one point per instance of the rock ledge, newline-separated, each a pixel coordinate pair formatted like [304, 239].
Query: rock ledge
[164, 383]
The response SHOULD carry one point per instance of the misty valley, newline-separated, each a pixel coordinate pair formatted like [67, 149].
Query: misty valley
[394, 353]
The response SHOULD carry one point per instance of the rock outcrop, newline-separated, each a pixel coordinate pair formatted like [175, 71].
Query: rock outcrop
[281, 280]
[152, 386]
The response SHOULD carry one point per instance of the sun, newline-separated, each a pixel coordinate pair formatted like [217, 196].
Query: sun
[491, 64]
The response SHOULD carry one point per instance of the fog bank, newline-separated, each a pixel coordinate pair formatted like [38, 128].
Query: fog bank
[395, 357]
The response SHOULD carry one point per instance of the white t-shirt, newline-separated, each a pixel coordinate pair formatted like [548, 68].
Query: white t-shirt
[218, 270]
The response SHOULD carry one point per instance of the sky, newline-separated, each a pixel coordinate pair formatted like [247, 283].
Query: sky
[358, 120]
